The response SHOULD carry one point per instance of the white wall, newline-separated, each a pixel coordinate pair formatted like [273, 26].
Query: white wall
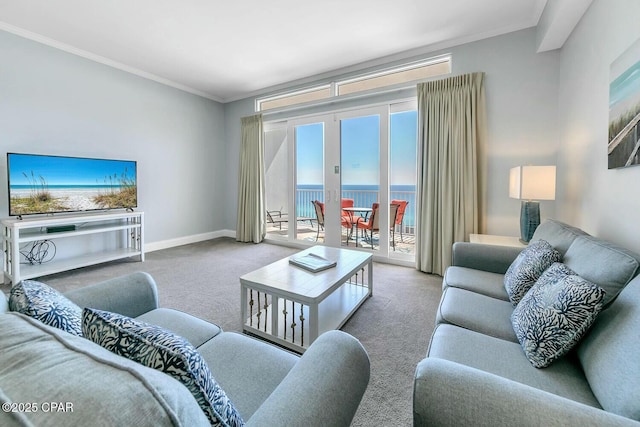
[521, 89]
[52, 102]
[188, 147]
[603, 202]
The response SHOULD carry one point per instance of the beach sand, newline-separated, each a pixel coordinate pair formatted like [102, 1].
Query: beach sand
[72, 199]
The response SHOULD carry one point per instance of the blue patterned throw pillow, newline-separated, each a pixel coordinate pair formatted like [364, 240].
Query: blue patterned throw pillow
[157, 348]
[528, 267]
[42, 302]
[555, 314]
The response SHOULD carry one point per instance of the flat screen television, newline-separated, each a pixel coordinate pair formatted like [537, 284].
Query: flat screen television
[41, 184]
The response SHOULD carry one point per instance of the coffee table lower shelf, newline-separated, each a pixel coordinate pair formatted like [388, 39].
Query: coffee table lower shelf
[295, 329]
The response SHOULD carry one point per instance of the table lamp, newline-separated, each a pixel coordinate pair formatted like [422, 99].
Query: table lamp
[530, 184]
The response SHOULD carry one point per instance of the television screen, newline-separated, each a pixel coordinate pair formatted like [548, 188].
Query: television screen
[41, 184]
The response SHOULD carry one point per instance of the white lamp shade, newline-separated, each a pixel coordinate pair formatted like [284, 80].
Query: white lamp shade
[532, 182]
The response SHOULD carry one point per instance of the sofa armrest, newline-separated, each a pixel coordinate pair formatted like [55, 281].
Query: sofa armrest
[325, 386]
[491, 258]
[447, 393]
[132, 295]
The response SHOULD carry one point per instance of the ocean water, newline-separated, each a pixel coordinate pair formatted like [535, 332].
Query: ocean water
[60, 190]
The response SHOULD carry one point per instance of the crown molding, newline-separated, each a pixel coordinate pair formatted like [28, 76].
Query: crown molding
[102, 60]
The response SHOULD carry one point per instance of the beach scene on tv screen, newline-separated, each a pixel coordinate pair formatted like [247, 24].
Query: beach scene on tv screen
[45, 184]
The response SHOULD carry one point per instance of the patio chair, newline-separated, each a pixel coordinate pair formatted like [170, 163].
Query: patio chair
[277, 217]
[346, 203]
[348, 218]
[402, 206]
[372, 224]
[319, 209]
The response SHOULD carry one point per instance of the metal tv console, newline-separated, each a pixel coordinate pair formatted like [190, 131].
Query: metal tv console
[126, 241]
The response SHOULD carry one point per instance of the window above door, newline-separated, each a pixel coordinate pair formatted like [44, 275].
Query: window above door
[390, 78]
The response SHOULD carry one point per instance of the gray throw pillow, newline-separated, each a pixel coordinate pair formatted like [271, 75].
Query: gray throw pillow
[554, 315]
[528, 267]
[165, 351]
[42, 302]
[604, 263]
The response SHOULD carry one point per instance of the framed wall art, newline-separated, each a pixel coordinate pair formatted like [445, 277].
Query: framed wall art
[624, 109]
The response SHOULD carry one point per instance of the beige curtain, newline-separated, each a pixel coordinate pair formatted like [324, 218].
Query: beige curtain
[452, 129]
[251, 225]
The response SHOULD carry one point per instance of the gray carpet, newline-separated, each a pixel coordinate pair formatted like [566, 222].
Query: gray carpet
[394, 325]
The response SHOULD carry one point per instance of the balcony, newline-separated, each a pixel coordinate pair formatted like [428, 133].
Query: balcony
[307, 229]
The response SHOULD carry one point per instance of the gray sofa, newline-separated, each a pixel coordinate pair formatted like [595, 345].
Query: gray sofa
[476, 372]
[50, 377]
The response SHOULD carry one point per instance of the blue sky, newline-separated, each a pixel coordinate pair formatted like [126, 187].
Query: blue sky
[360, 150]
[309, 153]
[626, 85]
[66, 170]
[404, 136]
[360, 144]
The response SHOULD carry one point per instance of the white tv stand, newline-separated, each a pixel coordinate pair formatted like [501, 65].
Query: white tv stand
[17, 233]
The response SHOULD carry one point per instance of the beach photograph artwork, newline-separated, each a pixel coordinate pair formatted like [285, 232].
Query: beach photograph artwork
[49, 184]
[624, 109]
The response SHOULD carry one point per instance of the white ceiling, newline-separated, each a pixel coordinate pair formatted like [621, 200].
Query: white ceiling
[230, 50]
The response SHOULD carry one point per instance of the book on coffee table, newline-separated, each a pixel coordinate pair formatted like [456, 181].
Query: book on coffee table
[311, 262]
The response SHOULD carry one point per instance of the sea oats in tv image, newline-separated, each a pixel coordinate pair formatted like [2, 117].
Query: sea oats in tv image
[624, 109]
[40, 184]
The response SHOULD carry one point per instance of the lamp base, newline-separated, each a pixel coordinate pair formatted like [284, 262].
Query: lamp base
[529, 219]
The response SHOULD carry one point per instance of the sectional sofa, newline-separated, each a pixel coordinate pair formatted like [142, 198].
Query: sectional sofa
[51, 377]
[476, 371]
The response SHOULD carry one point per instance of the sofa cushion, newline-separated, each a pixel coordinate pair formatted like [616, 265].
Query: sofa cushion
[527, 268]
[506, 359]
[558, 234]
[39, 363]
[230, 353]
[479, 256]
[193, 329]
[42, 302]
[482, 282]
[158, 348]
[555, 313]
[130, 294]
[469, 310]
[606, 264]
[609, 354]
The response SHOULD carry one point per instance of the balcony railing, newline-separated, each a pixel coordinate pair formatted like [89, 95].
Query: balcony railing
[361, 198]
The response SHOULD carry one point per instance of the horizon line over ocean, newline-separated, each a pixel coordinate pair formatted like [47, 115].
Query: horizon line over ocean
[64, 186]
[393, 187]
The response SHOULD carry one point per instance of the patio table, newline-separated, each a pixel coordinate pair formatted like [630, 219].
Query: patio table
[350, 211]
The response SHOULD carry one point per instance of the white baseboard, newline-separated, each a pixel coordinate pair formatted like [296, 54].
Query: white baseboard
[166, 244]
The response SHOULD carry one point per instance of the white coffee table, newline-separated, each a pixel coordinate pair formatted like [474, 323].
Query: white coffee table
[291, 306]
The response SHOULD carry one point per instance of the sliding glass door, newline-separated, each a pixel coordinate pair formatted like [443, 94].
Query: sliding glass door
[363, 149]
[403, 165]
[309, 165]
[339, 179]
[276, 155]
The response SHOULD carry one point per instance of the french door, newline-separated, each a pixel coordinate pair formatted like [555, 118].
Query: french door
[364, 199]
[331, 174]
